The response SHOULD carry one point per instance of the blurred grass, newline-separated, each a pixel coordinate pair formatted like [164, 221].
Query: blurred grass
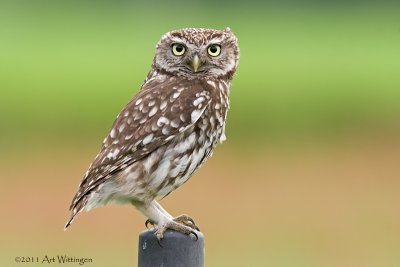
[69, 67]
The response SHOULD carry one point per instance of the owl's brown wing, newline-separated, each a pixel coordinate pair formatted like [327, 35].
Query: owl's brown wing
[159, 111]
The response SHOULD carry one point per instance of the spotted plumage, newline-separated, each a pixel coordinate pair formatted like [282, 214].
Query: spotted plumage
[168, 129]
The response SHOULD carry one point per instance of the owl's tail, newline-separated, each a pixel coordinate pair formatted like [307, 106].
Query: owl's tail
[76, 209]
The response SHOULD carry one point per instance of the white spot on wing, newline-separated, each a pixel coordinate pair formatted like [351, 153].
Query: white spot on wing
[148, 139]
[163, 104]
[174, 124]
[161, 121]
[112, 133]
[165, 131]
[176, 94]
[198, 100]
[195, 115]
[153, 111]
[138, 101]
[182, 117]
[121, 128]
[113, 154]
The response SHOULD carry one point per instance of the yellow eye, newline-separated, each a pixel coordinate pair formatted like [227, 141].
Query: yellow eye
[178, 49]
[214, 50]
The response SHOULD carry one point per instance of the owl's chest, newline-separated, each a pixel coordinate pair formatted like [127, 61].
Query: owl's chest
[211, 125]
[193, 147]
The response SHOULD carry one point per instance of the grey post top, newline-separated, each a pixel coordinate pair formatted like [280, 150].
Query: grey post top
[174, 250]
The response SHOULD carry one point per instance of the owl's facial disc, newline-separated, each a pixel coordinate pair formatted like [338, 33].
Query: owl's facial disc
[197, 53]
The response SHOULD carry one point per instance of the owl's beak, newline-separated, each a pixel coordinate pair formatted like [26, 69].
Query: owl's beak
[196, 63]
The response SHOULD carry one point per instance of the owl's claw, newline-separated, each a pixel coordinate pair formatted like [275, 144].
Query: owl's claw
[187, 221]
[173, 225]
[195, 235]
[147, 222]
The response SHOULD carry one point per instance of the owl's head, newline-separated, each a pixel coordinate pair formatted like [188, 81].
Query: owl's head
[197, 52]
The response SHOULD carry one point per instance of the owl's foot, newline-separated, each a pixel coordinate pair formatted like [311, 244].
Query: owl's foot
[181, 219]
[187, 221]
[183, 224]
[172, 225]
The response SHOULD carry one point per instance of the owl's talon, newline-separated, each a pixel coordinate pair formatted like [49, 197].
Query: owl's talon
[172, 225]
[187, 221]
[195, 235]
[148, 221]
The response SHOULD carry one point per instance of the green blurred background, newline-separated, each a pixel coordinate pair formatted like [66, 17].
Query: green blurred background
[309, 175]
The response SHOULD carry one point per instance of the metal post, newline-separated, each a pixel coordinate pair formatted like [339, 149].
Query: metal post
[174, 250]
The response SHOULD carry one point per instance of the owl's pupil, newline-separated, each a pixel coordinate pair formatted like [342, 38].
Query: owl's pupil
[179, 48]
[213, 49]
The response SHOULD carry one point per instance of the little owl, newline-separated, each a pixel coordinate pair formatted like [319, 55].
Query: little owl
[169, 128]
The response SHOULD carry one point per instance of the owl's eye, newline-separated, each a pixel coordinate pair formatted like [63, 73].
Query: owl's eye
[178, 49]
[214, 50]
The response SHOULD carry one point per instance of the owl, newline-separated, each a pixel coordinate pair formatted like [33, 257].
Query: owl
[168, 130]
